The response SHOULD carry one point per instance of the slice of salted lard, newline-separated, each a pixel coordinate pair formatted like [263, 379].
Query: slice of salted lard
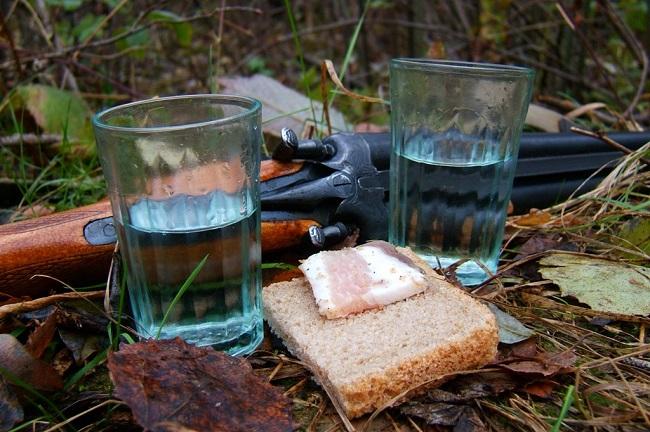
[369, 276]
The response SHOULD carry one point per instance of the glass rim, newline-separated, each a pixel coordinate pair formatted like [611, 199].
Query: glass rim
[254, 106]
[461, 67]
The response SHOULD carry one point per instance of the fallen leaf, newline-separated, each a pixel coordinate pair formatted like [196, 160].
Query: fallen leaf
[82, 345]
[55, 110]
[281, 106]
[603, 285]
[544, 118]
[545, 364]
[466, 388]
[433, 414]
[469, 421]
[63, 361]
[542, 243]
[15, 359]
[365, 127]
[542, 388]
[42, 336]
[10, 410]
[172, 386]
[534, 218]
[635, 234]
[511, 330]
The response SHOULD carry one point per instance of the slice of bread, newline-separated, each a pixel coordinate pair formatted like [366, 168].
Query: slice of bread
[370, 358]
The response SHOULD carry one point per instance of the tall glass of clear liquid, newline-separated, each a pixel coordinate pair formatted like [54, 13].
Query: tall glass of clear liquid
[455, 130]
[183, 180]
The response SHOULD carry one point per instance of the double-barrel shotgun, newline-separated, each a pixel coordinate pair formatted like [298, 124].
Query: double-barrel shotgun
[314, 191]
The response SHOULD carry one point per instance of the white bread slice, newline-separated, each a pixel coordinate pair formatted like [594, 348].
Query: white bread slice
[369, 358]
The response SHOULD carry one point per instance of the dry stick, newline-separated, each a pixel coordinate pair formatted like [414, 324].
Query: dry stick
[590, 50]
[339, 85]
[321, 408]
[29, 139]
[106, 19]
[32, 305]
[577, 310]
[607, 140]
[637, 49]
[71, 419]
[631, 391]
[12, 47]
[135, 28]
[323, 91]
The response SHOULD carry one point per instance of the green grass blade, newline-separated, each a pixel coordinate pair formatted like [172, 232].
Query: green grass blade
[181, 291]
[127, 337]
[350, 49]
[299, 53]
[99, 358]
[278, 265]
[28, 423]
[568, 401]
[30, 390]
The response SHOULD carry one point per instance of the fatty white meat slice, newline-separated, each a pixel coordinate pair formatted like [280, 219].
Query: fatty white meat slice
[369, 276]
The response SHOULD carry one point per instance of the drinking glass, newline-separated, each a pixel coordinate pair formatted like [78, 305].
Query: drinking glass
[183, 180]
[455, 130]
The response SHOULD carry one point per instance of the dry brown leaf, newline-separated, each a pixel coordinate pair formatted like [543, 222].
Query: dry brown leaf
[546, 364]
[42, 336]
[541, 388]
[173, 386]
[534, 218]
[10, 410]
[15, 359]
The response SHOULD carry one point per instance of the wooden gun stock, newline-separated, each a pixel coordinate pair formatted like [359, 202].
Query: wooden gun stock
[55, 245]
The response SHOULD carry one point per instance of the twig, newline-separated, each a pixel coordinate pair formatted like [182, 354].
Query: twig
[632, 393]
[637, 49]
[323, 91]
[119, 85]
[12, 46]
[607, 140]
[32, 305]
[29, 138]
[335, 79]
[106, 19]
[547, 304]
[582, 38]
[135, 28]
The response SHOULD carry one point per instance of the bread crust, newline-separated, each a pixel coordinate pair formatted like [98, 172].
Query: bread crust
[292, 315]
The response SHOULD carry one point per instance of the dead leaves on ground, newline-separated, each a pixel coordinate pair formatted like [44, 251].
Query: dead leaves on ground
[521, 367]
[173, 386]
[15, 359]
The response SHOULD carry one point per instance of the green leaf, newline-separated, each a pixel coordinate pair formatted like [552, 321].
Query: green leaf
[606, 286]
[511, 331]
[138, 41]
[57, 111]
[87, 26]
[183, 30]
[68, 5]
[183, 33]
[635, 233]
[163, 16]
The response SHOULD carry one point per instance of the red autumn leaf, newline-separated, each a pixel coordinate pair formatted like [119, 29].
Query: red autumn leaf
[172, 386]
[15, 359]
[42, 336]
[542, 388]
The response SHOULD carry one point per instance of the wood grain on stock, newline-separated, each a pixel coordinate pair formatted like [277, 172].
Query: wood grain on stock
[54, 245]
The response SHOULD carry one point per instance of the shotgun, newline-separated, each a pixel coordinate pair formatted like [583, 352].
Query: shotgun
[314, 191]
